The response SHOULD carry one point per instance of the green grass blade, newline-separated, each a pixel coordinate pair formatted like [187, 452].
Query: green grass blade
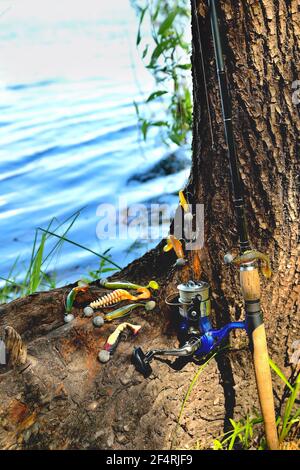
[294, 420]
[289, 408]
[12, 282]
[167, 23]
[81, 246]
[28, 272]
[280, 374]
[188, 393]
[60, 242]
[36, 274]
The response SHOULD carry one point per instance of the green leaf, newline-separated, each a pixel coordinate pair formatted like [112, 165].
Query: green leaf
[155, 14]
[176, 139]
[189, 391]
[144, 128]
[165, 26]
[155, 95]
[217, 445]
[234, 424]
[145, 51]
[35, 277]
[106, 270]
[232, 441]
[280, 374]
[159, 123]
[156, 53]
[136, 107]
[184, 66]
[139, 36]
[80, 246]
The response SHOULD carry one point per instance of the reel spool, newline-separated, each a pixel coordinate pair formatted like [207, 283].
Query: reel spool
[191, 290]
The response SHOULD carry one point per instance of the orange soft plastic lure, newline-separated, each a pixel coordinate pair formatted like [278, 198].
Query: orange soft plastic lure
[119, 295]
[174, 244]
[253, 255]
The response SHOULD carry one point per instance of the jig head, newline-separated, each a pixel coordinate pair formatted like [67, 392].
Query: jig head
[114, 339]
[98, 321]
[118, 295]
[249, 257]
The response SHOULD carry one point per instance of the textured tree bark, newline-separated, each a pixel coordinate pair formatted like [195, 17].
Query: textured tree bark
[63, 397]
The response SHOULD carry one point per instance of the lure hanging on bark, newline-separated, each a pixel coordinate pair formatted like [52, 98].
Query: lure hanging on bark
[115, 338]
[174, 244]
[250, 256]
[183, 202]
[118, 295]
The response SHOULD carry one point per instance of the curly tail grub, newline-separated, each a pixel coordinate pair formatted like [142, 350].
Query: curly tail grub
[119, 295]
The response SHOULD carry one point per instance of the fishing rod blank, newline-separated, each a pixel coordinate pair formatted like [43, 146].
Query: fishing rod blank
[249, 277]
[238, 197]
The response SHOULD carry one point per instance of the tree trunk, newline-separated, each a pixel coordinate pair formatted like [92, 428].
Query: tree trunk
[63, 397]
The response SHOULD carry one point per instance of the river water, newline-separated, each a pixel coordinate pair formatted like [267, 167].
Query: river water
[69, 74]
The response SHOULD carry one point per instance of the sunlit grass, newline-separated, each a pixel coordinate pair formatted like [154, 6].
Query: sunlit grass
[37, 276]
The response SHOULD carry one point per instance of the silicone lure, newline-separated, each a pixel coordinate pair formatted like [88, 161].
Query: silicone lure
[119, 295]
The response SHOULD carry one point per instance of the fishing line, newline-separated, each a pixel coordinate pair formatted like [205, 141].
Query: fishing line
[204, 75]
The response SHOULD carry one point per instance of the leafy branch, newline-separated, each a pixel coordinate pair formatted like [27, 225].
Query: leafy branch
[165, 56]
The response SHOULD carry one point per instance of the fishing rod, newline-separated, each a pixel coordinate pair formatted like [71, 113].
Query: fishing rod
[247, 261]
[197, 336]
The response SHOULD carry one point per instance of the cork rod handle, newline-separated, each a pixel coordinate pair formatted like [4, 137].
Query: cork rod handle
[250, 285]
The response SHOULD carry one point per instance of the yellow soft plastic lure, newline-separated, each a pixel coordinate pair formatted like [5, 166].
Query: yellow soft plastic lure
[174, 244]
[253, 255]
[127, 309]
[126, 285]
[112, 341]
[118, 295]
[183, 202]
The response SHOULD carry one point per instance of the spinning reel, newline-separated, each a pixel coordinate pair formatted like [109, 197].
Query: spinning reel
[197, 335]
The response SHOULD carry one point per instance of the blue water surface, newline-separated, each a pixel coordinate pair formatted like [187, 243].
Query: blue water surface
[69, 74]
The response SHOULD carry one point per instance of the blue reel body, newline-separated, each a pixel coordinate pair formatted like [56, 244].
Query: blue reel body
[210, 338]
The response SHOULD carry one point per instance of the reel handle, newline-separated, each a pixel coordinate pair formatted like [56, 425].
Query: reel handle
[142, 360]
[250, 284]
